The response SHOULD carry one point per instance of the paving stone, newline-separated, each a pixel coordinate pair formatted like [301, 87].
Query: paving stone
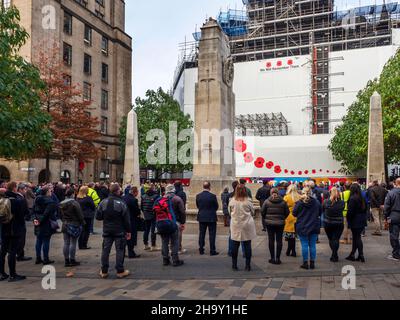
[302, 292]
[81, 291]
[238, 283]
[281, 296]
[172, 295]
[275, 284]
[258, 290]
[157, 286]
[107, 291]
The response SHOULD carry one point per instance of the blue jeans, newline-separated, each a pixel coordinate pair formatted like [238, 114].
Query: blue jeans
[309, 245]
[42, 242]
[150, 226]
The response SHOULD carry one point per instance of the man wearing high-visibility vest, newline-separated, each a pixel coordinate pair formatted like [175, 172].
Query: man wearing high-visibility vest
[96, 199]
[345, 196]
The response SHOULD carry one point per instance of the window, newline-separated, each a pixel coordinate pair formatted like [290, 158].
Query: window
[67, 54]
[104, 99]
[104, 128]
[67, 80]
[100, 2]
[88, 35]
[82, 2]
[67, 23]
[87, 64]
[87, 91]
[5, 3]
[99, 14]
[104, 45]
[104, 72]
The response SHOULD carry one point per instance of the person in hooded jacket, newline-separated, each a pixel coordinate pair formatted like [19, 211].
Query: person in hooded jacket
[334, 221]
[357, 221]
[274, 212]
[45, 220]
[308, 211]
[392, 217]
[73, 221]
[148, 200]
[89, 210]
[292, 196]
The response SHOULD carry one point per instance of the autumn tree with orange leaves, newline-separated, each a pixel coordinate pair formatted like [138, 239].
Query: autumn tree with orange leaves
[74, 129]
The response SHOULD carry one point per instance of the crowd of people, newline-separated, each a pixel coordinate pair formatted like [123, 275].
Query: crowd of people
[289, 211]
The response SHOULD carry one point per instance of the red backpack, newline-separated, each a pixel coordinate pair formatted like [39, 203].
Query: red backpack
[165, 216]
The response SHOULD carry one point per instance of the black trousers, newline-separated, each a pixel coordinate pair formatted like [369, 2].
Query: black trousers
[9, 245]
[394, 230]
[291, 246]
[84, 237]
[334, 233]
[357, 241]
[247, 252]
[21, 245]
[275, 235]
[212, 233]
[133, 241]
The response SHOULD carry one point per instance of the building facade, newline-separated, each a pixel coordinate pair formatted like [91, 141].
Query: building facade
[97, 54]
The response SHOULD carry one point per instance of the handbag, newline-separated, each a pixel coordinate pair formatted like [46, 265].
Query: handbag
[54, 225]
[74, 231]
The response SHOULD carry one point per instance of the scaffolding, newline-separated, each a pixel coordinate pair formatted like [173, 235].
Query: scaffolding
[281, 28]
[264, 124]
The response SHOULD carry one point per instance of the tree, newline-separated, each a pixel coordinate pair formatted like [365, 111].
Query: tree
[24, 126]
[155, 112]
[350, 144]
[74, 129]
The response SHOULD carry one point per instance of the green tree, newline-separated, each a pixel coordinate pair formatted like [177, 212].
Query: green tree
[156, 111]
[350, 144]
[24, 126]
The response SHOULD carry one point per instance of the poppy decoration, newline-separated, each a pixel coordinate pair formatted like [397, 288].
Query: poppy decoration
[270, 165]
[286, 171]
[306, 172]
[248, 157]
[314, 171]
[277, 169]
[259, 163]
[300, 173]
[292, 173]
[240, 146]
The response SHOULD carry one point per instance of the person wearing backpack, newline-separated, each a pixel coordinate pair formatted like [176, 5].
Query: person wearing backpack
[170, 216]
[73, 221]
[146, 205]
[12, 220]
[116, 228]
[45, 222]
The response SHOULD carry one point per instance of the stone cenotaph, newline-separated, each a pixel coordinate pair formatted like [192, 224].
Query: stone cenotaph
[214, 158]
[131, 166]
[376, 151]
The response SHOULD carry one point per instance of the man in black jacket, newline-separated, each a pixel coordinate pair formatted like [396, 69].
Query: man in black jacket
[21, 191]
[181, 194]
[147, 204]
[134, 214]
[207, 204]
[116, 228]
[377, 200]
[12, 234]
[392, 216]
[263, 194]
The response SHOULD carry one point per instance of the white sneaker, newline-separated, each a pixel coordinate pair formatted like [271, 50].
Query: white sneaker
[390, 257]
[183, 251]
[153, 249]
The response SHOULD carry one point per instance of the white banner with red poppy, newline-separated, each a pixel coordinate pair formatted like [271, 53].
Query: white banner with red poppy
[285, 157]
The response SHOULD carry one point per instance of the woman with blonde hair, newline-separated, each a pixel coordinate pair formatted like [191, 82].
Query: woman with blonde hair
[292, 196]
[308, 211]
[243, 228]
[89, 209]
[334, 221]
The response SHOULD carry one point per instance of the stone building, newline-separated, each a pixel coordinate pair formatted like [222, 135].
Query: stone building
[98, 56]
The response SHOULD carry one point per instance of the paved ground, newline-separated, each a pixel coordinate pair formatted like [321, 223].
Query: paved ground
[205, 277]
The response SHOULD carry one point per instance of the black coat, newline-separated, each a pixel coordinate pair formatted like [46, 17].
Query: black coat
[115, 216]
[181, 194]
[44, 210]
[377, 195]
[71, 213]
[308, 217]
[333, 212]
[19, 210]
[275, 211]
[88, 207]
[225, 196]
[207, 204]
[392, 206]
[147, 204]
[102, 192]
[356, 214]
[263, 194]
[134, 211]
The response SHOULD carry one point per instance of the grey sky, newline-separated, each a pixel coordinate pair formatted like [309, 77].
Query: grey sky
[158, 26]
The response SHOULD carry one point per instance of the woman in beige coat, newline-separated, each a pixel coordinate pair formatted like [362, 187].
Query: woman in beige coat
[243, 228]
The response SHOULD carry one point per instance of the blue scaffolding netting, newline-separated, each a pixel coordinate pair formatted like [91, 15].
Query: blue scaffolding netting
[233, 22]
